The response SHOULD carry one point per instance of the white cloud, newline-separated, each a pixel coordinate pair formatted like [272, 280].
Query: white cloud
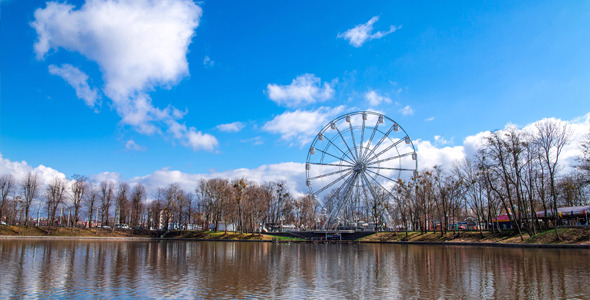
[376, 99]
[208, 62]
[429, 119]
[303, 90]
[198, 140]
[406, 110]
[131, 145]
[78, 80]
[257, 140]
[112, 177]
[139, 45]
[361, 33]
[301, 125]
[430, 155]
[231, 127]
[441, 141]
[20, 169]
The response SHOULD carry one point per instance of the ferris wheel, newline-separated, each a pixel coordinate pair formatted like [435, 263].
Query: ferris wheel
[353, 164]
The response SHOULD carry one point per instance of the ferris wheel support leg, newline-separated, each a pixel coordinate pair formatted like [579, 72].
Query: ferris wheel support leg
[373, 193]
[348, 187]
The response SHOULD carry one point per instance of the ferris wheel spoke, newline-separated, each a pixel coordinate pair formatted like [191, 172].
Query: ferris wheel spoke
[353, 141]
[386, 216]
[370, 140]
[347, 190]
[364, 189]
[330, 164]
[370, 188]
[390, 158]
[383, 138]
[380, 185]
[344, 140]
[329, 174]
[387, 168]
[336, 146]
[385, 150]
[362, 136]
[336, 157]
[333, 182]
[331, 203]
[390, 179]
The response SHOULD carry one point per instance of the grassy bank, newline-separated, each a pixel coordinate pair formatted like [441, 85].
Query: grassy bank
[99, 232]
[573, 236]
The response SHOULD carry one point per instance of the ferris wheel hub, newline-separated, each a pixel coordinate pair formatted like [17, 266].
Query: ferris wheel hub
[359, 167]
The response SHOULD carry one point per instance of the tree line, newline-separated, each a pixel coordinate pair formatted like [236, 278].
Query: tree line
[515, 173]
[244, 204]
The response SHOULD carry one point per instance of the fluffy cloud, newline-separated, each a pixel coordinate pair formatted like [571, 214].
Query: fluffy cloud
[359, 34]
[430, 155]
[20, 169]
[132, 146]
[406, 110]
[301, 126]
[231, 127]
[78, 80]
[198, 140]
[441, 141]
[375, 99]
[303, 90]
[138, 44]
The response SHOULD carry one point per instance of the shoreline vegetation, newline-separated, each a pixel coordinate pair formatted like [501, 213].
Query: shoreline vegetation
[568, 236]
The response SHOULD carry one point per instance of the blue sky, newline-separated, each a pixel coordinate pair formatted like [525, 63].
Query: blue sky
[444, 70]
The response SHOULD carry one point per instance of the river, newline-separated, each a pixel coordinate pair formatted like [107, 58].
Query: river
[103, 269]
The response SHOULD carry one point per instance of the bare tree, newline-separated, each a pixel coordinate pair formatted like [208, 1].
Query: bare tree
[55, 196]
[78, 190]
[106, 199]
[138, 195]
[239, 186]
[584, 160]
[121, 204]
[551, 137]
[6, 186]
[29, 186]
[91, 199]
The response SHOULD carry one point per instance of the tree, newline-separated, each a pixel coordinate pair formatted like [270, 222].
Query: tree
[121, 203]
[551, 137]
[92, 198]
[584, 160]
[106, 199]
[239, 186]
[55, 194]
[138, 195]
[29, 186]
[78, 189]
[6, 186]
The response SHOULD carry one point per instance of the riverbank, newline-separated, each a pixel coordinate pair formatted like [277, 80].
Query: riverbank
[67, 232]
[568, 236]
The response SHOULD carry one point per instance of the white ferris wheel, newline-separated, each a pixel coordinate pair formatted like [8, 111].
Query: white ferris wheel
[353, 164]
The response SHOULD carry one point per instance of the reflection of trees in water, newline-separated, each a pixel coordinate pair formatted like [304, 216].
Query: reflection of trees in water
[244, 270]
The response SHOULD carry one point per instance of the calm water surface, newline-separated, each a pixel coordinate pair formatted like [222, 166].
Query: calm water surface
[145, 269]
